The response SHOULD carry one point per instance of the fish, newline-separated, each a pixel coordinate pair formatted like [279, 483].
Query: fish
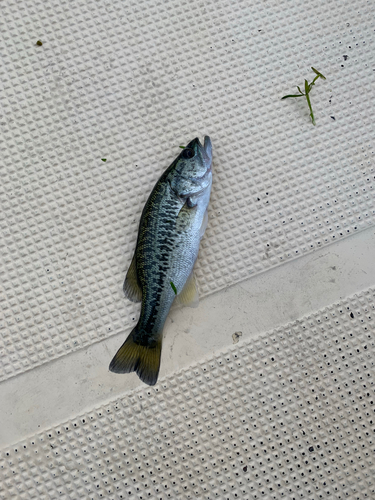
[172, 224]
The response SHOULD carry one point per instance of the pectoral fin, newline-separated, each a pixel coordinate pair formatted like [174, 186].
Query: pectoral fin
[189, 294]
[132, 290]
[185, 218]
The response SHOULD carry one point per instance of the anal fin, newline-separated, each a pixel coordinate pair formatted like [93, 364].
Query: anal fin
[189, 294]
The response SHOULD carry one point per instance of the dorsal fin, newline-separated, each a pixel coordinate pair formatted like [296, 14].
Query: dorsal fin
[132, 290]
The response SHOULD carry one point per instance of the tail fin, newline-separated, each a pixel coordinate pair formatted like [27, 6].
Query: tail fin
[133, 357]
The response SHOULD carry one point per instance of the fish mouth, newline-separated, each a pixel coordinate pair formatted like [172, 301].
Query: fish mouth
[206, 149]
[207, 146]
[207, 154]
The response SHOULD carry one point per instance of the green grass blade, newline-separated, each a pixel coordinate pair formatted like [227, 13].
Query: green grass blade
[307, 89]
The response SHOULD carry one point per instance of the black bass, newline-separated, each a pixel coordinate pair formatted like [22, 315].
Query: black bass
[173, 221]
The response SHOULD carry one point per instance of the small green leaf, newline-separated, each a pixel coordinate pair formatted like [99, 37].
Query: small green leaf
[296, 95]
[318, 73]
[173, 287]
[104, 159]
[39, 43]
[307, 87]
[182, 147]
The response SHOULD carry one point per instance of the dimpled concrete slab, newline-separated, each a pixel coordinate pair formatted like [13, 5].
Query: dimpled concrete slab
[290, 415]
[129, 82]
[89, 119]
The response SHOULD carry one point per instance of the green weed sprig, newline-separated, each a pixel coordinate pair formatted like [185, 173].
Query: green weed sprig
[173, 287]
[308, 87]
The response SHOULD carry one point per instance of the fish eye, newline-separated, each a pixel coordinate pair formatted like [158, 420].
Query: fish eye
[187, 153]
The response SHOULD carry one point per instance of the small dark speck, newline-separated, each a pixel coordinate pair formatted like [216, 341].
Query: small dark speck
[39, 43]
[351, 315]
[311, 448]
[258, 199]
[345, 57]
[333, 118]
[104, 159]
[245, 468]
[342, 65]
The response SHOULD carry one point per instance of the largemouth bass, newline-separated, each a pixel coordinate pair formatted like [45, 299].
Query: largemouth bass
[173, 221]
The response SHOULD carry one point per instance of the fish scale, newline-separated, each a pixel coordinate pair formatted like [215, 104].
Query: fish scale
[157, 238]
[172, 223]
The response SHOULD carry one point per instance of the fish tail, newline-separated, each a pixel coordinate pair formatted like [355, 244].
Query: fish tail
[135, 357]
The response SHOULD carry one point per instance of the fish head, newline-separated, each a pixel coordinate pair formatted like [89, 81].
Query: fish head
[191, 173]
